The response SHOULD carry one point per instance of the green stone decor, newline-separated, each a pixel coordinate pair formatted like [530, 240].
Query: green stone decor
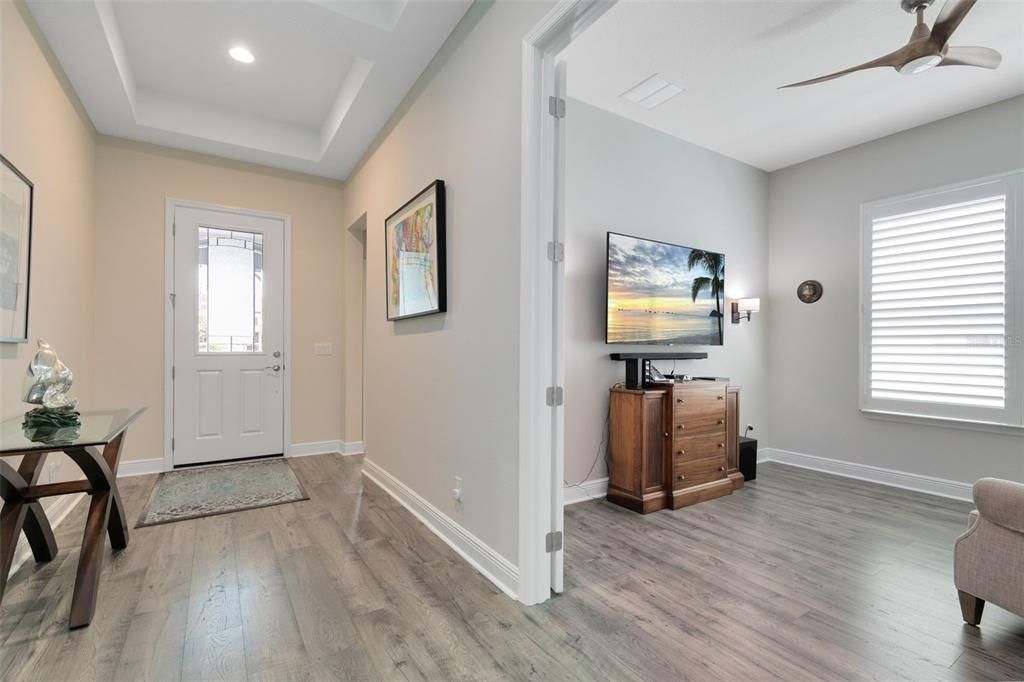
[221, 489]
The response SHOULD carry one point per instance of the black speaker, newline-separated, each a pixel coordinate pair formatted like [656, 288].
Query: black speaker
[748, 458]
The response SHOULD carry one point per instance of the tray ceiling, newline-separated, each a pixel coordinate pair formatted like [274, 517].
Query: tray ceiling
[326, 77]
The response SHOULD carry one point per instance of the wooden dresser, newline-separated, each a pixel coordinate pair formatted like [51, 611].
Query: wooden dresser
[673, 445]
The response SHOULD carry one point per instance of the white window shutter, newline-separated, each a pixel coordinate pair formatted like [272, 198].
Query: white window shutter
[938, 304]
[942, 302]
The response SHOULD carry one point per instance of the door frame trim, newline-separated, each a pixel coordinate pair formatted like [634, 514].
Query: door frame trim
[170, 204]
[541, 347]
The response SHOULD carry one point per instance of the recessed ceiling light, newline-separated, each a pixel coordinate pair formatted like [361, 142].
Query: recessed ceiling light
[651, 92]
[241, 54]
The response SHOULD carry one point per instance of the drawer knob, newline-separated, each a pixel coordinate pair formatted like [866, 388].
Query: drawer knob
[666, 434]
[680, 401]
[680, 427]
[721, 468]
[720, 397]
[681, 452]
[721, 445]
[682, 478]
[721, 421]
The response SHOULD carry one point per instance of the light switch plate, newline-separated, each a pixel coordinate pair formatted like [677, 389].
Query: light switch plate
[323, 348]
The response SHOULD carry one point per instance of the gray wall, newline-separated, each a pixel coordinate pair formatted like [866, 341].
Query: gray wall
[624, 177]
[813, 349]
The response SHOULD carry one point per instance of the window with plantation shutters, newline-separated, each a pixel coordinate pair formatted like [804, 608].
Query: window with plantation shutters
[941, 304]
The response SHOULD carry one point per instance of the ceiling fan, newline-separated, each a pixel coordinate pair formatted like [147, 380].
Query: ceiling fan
[926, 47]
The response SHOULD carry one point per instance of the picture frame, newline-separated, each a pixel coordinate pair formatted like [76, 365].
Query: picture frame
[17, 194]
[415, 256]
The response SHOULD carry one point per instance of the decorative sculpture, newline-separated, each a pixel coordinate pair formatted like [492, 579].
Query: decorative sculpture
[47, 382]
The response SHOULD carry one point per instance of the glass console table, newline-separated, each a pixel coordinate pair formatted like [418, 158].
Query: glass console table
[95, 446]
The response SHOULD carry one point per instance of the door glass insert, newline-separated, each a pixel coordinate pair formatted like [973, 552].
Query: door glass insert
[230, 291]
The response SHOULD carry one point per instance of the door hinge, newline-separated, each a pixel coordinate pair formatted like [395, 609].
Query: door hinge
[173, 296]
[553, 542]
[554, 395]
[172, 373]
[172, 443]
[556, 106]
[556, 252]
[174, 229]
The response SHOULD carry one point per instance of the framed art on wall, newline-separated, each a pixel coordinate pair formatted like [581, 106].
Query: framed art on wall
[15, 252]
[414, 246]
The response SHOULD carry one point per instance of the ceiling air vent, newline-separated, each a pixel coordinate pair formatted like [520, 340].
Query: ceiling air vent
[651, 92]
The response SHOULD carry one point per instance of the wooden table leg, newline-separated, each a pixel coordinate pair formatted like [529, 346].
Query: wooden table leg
[117, 526]
[90, 561]
[17, 515]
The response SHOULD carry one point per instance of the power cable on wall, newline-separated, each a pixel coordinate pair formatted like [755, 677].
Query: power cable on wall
[601, 447]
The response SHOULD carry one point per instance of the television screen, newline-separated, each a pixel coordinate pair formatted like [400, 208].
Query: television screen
[661, 293]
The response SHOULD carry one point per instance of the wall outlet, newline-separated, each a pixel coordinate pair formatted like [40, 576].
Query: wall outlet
[323, 348]
[457, 490]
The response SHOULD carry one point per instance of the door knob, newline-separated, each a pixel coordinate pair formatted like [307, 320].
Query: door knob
[276, 368]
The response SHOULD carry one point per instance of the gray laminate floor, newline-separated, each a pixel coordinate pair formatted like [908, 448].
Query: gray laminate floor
[798, 576]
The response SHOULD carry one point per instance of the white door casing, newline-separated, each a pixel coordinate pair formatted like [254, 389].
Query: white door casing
[228, 338]
[558, 331]
[541, 298]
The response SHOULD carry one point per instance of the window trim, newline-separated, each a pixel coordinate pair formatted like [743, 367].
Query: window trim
[1011, 418]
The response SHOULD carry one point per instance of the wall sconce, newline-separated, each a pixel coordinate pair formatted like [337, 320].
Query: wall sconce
[745, 306]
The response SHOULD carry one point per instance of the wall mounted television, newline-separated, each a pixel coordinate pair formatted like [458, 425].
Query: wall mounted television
[661, 293]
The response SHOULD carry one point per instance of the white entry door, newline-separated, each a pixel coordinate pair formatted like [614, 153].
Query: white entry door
[229, 363]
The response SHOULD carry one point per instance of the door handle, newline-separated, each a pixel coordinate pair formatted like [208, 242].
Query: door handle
[276, 368]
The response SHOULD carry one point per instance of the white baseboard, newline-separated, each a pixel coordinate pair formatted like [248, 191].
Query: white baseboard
[595, 489]
[56, 513]
[357, 447]
[140, 467]
[865, 472]
[323, 447]
[496, 568]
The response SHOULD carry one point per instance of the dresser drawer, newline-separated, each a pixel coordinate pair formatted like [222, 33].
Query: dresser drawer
[693, 446]
[697, 472]
[698, 424]
[696, 407]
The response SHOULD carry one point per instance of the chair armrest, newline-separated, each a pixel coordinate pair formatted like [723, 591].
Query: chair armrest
[1001, 502]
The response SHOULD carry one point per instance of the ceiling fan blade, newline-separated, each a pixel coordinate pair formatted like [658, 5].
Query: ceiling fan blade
[893, 59]
[985, 57]
[953, 12]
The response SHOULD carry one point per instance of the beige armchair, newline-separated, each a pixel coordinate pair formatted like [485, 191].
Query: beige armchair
[989, 557]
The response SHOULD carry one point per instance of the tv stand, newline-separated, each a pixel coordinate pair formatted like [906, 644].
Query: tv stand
[638, 365]
[673, 445]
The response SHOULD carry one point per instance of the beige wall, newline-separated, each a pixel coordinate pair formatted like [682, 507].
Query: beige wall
[44, 134]
[132, 182]
[442, 391]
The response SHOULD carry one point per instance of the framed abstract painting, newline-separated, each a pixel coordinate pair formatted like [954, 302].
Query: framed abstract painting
[414, 247]
[15, 252]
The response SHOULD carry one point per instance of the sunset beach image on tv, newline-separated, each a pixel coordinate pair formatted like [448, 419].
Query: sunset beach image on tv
[661, 293]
